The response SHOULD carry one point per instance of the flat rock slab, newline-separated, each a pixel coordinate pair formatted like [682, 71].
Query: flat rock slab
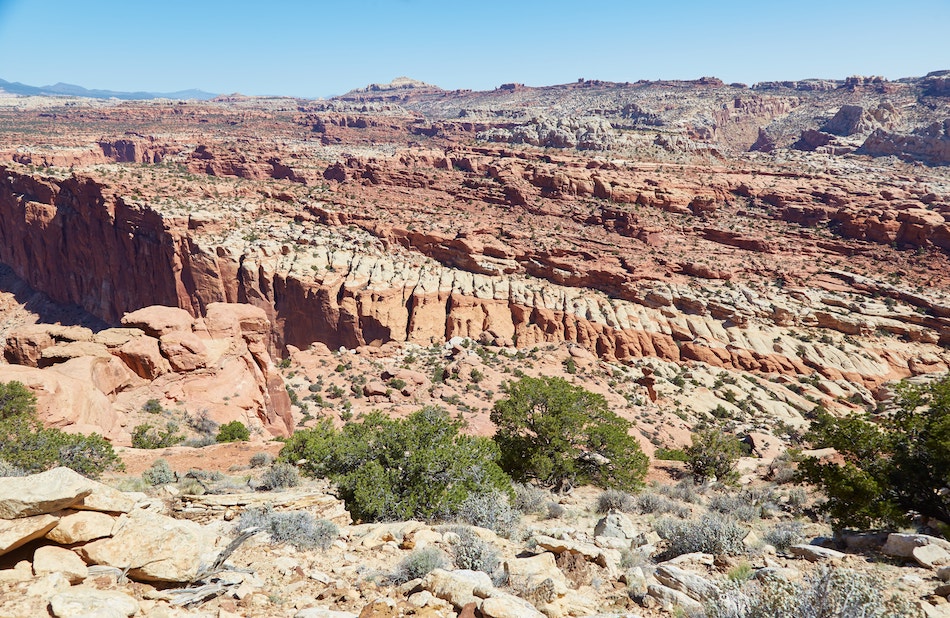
[53, 559]
[155, 548]
[903, 545]
[42, 493]
[81, 527]
[815, 553]
[17, 532]
[86, 602]
[930, 556]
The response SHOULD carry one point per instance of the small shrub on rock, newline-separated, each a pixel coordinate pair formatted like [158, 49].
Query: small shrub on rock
[280, 475]
[784, 535]
[8, 470]
[159, 474]
[418, 564]
[616, 500]
[711, 534]
[474, 553]
[298, 528]
[235, 431]
[259, 460]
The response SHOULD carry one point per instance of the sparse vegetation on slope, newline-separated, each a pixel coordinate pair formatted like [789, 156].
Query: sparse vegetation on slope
[387, 469]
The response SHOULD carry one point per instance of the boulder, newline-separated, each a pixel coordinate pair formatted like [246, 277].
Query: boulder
[144, 357]
[88, 602]
[814, 553]
[458, 587]
[930, 556]
[615, 525]
[46, 492]
[903, 545]
[508, 606]
[53, 559]
[17, 532]
[158, 320]
[322, 612]
[670, 598]
[684, 581]
[155, 547]
[81, 527]
[528, 573]
[184, 351]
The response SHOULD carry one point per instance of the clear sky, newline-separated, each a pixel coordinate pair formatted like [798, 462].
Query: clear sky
[321, 48]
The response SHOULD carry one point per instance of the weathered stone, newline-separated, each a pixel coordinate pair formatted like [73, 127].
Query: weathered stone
[457, 587]
[154, 547]
[88, 602]
[41, 493]
[944, 573]
[670, 598]
[53, 559]
[903, 545]
[814, 553]
[17, 532]
[930, 556]
[617, 525]
[687, 582]
[80, 527]
[158, 320]
[508, 606]
[528, 573]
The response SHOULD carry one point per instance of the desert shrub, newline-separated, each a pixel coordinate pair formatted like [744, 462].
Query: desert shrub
[159, 473]
[418, 564]
[713, 455]
[649, 502]
[891, 466]
[838, 592]
[555, 510]
[785, 534]
[235, 431]
[553, 432]
[149, 437]
[395, 469]
[530, 499]
[27, 445]
[492, 511]
[298, 528]
[670, 454]
[616, 500]
[684, 491]
[8, 469]
[280, 475]
[472, 552]
[740, 506]
[16, 400]
[711, 534]
[199, 441]
[153, 406]
[259, 460]
[201, 423]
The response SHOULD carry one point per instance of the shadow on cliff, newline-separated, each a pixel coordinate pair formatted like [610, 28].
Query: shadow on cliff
[40, 304]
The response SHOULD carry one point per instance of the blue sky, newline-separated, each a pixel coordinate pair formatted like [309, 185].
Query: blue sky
[318, 48]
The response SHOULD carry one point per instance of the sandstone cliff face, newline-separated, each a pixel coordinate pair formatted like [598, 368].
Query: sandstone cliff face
[217, 367]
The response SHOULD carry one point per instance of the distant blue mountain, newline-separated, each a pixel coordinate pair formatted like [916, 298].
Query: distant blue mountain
[72, 90]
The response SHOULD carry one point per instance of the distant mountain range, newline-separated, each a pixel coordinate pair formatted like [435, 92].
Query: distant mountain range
[71, 90]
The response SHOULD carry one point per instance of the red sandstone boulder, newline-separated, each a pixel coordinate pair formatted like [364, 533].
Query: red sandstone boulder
[158, 320]
[184, 351]
[144, 357]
